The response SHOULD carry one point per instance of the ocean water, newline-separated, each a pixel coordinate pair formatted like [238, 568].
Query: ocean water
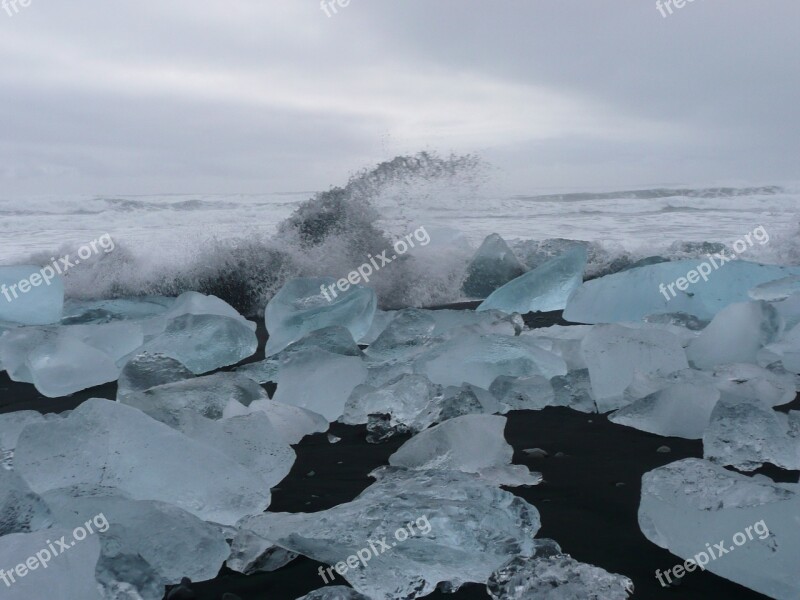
[243, 247]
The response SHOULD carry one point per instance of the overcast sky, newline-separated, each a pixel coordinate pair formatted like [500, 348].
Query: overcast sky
[173, 96]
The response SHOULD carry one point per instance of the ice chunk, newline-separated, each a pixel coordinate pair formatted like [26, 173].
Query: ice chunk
[789, 310]
[144, 544]
[556, 576]
[690, 504]
[523, 393]
[574, 390]
[21, 510]
[735, 335]
[291, 422]
[480, 359]
[403, 398]
[463, 529]
[379, 322]
[746, 434]
[300, 307]
[319, 381]
[682, 410]
[145, 371]
[787, 351]
[68, 575]
[776, 290]
[108, 444]
[614, 354]
[217, 396]
[195, 303]
[204, 342]
[493, 265]
[250, 553]
[334, 592]
[564, 341]
[545, 288]
[451, 445]
[635, 294]
[11, 425]
[77, 312]
[41, 304]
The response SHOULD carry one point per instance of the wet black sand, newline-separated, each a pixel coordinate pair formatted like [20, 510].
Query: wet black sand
[588, 501]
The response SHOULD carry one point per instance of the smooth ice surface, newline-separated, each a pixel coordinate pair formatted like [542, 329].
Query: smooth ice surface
[319, 381]
[682, 410]
[290, 422]
[108, 444]
[335, 592]
[69, 576]
[40, 305]
[145, 544]
[11, 425]
[217, 396]
[564, 341]
[145, 371]
[195, 303]
[21, 510]
[615, 354]
[300, 308]
[474, 528]
[692, 503]
[786, 350]
[556, 576]
[544, 288]
[745, 434]
[523, 393]
[735, 335]
[470, 443]
[634, 294]
[120, 309]
[480, 359]
[493, 265]
[776, 290]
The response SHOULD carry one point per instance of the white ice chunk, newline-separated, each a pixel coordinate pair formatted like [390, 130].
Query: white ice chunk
[108, 444]
[688, 505]
[28, 304]
[545, 288]
[523, 393]
[492, 266]
[300, 307]
[615, 354]
[291, 422]
[735, 335]
[452, 446]
[403, 398]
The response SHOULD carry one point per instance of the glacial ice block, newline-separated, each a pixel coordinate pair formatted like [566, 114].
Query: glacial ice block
[300, 307]
[635, 294]
[470, 443]
[773, 291]
[735, 335]
[403, 398]
[144, 544]
[335, 592]
[690, 504]
[464, 529]
[21, 510]
[682, 410]
[39, 305]
[786, 350]
[11, 425]
[523, 393]
[556, 576]
[69, 575]
[107, 444]
[492, 266]
[480, 359]
[290, 422]
[746, 434]
[615, 354]
[542, 289]
[319, 381]
[145, 371]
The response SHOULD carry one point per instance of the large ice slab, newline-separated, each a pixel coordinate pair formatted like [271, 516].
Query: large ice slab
[615, 354]
[23, 302]
[300, 307]
[463, 528]
[689, 505]
[480, 359]
[682, 410]
[144, 544]
[493, 265]
[544, 288]
[452, 446]
[107, 444]
[68, 575]
[634, 294]
[746, 434]
[735, 335]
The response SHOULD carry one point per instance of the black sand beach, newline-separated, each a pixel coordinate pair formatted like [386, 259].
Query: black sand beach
[588, 500]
